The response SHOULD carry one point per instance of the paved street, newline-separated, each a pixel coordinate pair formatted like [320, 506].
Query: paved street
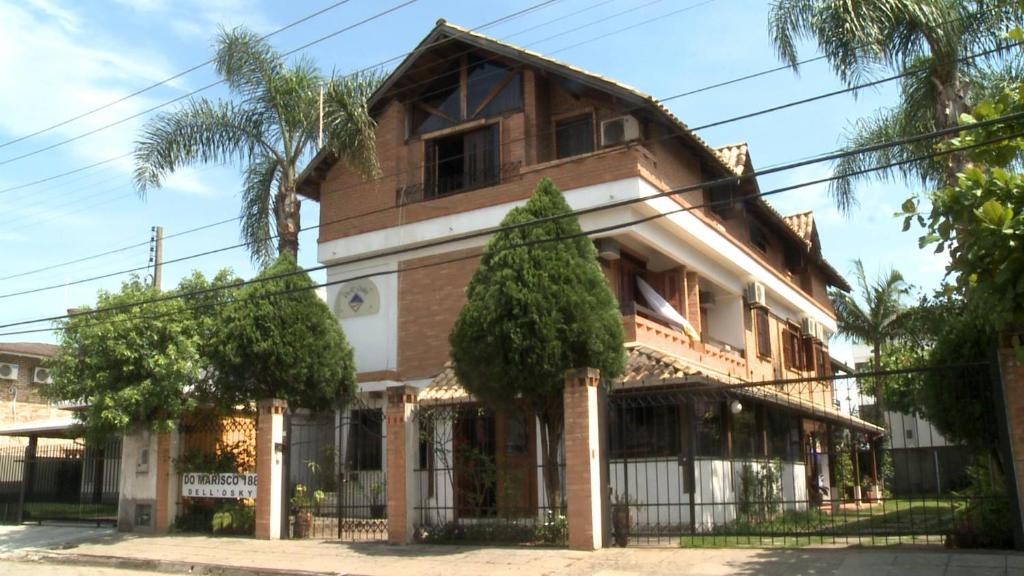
[102, 549]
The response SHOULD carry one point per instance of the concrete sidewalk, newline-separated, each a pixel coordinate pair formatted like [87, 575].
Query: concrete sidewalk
[178, 553]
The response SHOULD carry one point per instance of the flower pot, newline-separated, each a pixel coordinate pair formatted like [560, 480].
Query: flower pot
[302, 524]
[620, 525]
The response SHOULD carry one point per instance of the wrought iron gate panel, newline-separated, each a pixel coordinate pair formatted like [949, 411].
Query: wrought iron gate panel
[337, 480]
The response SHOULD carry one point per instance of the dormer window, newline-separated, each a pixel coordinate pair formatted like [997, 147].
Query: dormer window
[758, 237]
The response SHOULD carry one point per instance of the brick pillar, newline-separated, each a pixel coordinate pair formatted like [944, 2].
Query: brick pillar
[401, 447]
[1011, 386]
[270, 507]
[584, 469]
[693, 300]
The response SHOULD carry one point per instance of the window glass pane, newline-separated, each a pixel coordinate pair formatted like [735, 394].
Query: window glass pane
[364, 440]
[781, 430]
[482, 78]
[709, 428]
[516, 435]
[745, 435]
[574, 136]
[645, 432]
[764, 341]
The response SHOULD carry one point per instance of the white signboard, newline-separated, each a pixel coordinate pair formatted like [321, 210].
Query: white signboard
[202, 485]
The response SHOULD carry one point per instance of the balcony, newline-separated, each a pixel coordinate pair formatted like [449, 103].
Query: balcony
[646, 326]
[457, 183]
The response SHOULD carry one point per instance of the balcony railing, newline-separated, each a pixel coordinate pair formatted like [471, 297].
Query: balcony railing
[648, 327]
[456, 184]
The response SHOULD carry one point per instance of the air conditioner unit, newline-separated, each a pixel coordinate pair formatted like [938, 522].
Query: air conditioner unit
[810, 327]
[41, 376]
[707, 299]
[755, 294]
[619, 131]
[8, 371]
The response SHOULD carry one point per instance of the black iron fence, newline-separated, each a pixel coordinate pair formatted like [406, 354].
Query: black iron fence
[337, 483]
[795, 462]
[211, 444]
[59, 480]
[479, 477]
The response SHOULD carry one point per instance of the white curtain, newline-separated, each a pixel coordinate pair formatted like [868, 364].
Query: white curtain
[662, 307]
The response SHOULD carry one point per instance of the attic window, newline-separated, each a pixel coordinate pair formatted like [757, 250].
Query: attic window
[574, 136]
[758, 237]
[473, 88]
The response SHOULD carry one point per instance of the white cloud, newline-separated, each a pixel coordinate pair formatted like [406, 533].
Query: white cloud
[187, 180]
[62, 72]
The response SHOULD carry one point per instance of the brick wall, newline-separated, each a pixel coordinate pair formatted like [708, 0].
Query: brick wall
[30, 404]
[429, 301]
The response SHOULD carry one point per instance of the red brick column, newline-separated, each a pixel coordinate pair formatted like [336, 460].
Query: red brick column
[400, 448]
[693, 300]
[585, 492]
[269, 470]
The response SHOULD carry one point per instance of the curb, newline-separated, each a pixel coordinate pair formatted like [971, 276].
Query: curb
[163, 566]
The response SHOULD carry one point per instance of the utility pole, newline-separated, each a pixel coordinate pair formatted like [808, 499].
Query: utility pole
[156, 254]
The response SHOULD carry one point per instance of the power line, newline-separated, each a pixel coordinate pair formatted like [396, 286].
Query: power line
[720, 84]
[389, 208]
[608, 206]
[587, 233]
[165, 80]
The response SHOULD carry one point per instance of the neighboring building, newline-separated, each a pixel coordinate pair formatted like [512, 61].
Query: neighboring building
[923, 460]
[22, 373]
[722, 294]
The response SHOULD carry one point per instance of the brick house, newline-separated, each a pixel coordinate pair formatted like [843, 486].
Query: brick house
[728, 293]
[22, 373]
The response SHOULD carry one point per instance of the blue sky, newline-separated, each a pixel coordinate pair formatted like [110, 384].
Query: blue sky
[60, 58]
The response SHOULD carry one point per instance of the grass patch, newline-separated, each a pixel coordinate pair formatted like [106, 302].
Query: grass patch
[896, 521]
[67, 511]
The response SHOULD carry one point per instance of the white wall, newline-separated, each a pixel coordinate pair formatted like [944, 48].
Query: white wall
[725, 321]
[374, 338]
[657, 488]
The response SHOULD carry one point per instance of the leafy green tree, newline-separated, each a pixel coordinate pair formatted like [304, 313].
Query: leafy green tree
[270, 127]
[979, 220]
[278, 339]
[537, 306]
[874, 319]
[133, 364]
[869, 40]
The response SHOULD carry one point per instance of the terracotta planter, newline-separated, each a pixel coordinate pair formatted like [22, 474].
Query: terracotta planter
[302, 524]
[620, 525]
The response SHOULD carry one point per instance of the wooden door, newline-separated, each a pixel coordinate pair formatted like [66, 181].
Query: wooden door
[517, 466]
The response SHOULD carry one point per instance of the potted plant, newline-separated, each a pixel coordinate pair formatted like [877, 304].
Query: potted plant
[377, 507]
[302, 504]
[621, 519]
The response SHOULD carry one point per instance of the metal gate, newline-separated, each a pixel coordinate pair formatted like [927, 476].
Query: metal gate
[60, 480]
[337, 484]
[789, 462]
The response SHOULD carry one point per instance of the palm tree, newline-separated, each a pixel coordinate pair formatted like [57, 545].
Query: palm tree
[865, 40]
[269, 128]
[876, 319]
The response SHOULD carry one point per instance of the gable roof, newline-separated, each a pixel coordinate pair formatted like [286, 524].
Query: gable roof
[445, 32]
[731, 159]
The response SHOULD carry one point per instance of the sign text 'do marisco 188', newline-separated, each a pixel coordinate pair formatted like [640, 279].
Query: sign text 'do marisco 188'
[203, 485]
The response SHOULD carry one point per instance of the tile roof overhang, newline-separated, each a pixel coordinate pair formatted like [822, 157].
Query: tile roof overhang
[656, 376]
[33, 349]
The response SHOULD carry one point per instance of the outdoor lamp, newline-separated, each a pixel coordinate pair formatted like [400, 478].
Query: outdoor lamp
[735, 407]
